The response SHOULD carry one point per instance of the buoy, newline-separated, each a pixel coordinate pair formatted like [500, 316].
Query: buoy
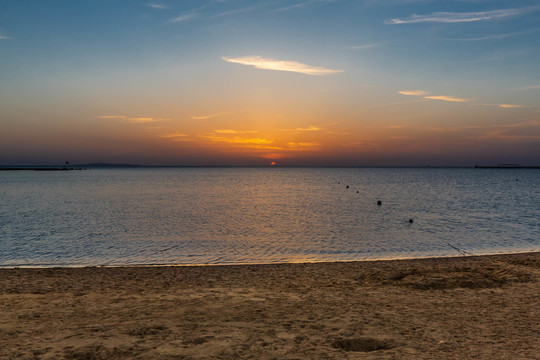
[379, 202]
[411, 221]
[357, 191]
[347, 186]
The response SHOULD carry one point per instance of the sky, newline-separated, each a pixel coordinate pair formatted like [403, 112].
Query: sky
[295, 83]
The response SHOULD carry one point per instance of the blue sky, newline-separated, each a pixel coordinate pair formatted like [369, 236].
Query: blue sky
[225, 82]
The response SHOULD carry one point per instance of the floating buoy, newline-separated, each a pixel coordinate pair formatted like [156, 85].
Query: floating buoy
[347, 186]
[411, 221]
[358, 192]
[379, 202]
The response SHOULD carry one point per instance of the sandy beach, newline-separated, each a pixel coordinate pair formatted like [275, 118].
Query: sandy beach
[485, 307]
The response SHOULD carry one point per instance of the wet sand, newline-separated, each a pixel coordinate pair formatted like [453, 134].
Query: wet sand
[485, 307]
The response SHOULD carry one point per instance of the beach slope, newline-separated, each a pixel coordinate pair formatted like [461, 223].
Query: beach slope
[483, 307]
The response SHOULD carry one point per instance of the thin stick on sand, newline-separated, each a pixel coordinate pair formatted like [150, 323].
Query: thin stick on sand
[461, 251]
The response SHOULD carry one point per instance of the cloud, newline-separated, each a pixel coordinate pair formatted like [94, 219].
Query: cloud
[493, 37]
[413, 92]
[454, 17]
[236, 11]
[230, 131]
[273, 156]
[133, 119]
[157, 6]
[237, 140]
[142, 119]
[363, 47]
[299, 5]
[425, 95]
[112, 116]
[532, 87]
[340, 133]
[527, 130]
[504, 106]
[173, 135]
[204, 117]
[446, 98]
[260, 62]
[183, 18]
[510, 106]
[309, 128]
[303, 145]
[2, 37]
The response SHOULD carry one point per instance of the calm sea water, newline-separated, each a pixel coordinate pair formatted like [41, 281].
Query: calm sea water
[263, 215]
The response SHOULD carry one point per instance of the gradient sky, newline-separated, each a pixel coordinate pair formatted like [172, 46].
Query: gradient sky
[234, 82]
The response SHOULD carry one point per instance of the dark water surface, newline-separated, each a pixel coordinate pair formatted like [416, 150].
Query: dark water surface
[263, 215]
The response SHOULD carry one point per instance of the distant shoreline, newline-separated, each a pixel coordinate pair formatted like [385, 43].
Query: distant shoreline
[38, 169]
[135, 166]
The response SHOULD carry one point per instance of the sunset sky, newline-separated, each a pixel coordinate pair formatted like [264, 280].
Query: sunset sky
[234, 82]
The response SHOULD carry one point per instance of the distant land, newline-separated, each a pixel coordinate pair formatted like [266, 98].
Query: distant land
[108, 165]
[68, 167]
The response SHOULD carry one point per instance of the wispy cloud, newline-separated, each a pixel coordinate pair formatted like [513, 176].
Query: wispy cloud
[210, 116]
[183, 18]
[492, 37]
[236, 11]
[230, 131]
[133, 119]
[3, 37]
[510, 106]
[303, 145]
[413, 92]
[504, 106]
[299, 5]
[425, 95]
[260, 62]
[309, 128]
[174, 135]
[202, 117]
[157, 6]
[522, 131]
[446, 98]
[363, 47]
[532, 87]
[527, 130]
[458, 17]
[238, 140]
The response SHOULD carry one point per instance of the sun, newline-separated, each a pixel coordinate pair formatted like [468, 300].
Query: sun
[273, 163]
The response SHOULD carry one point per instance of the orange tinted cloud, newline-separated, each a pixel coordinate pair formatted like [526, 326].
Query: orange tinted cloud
[260, 62]
[446, 98]
[133, 119]
[413, 92]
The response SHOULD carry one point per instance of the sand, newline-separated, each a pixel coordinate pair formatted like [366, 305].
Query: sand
[483, 307]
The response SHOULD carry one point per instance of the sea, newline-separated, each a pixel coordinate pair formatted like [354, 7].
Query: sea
[263, 215]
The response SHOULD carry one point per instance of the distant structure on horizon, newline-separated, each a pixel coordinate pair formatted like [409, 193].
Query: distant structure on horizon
[506, 166]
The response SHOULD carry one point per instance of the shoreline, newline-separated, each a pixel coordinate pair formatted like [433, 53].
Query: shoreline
[75, 266]
[484, 306]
